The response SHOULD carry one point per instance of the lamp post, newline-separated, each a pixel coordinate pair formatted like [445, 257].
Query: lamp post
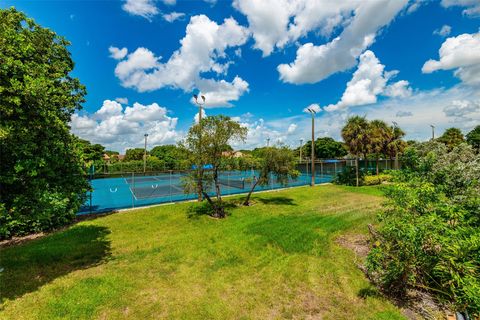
[145, 154]
[200, 105]
[312, 112]
[433, 131]
[395, 125]
[268, 142]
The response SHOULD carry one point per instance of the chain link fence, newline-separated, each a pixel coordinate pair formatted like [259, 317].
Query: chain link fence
[121, 190]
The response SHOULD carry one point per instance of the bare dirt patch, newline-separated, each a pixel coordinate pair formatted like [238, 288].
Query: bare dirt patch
[18, 240]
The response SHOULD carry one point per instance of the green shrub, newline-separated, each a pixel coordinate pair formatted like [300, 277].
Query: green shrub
[348, 177]
[376, 179]
[430, 232]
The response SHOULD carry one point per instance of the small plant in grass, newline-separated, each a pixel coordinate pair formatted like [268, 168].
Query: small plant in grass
[275, 162]
[429, 238]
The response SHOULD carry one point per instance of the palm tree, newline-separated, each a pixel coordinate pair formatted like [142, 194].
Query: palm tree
[395, 145]
[355, 135]
[379, 136]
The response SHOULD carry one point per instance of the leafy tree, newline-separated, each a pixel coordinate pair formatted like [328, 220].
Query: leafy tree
[41, 176]
[277, 161]
[170, 154]
[379, 137]
[207, 142]
[325, 148]
[111, 153]
[452, 137]
[429, 237]
[257, 152]
[91, 152]
[395, 144]
[134, 154]
[356, 136]
[473, 138]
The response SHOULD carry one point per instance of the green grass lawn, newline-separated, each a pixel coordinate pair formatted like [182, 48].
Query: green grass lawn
[277, 259]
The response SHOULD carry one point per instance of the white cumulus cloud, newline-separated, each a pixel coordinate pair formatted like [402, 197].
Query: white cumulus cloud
[472, 6]
[122, 100]
[368, 82]
[461, 53]
[202, 50]
[443, 31]
[117, 53]
[463, 110]
[143, 8]
[118, 128]
[314, 106]
[314, 63]
[172, 16]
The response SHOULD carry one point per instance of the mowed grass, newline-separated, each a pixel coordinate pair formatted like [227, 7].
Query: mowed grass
[277, 259]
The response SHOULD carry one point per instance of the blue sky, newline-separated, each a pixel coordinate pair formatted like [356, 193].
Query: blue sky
[263, 62]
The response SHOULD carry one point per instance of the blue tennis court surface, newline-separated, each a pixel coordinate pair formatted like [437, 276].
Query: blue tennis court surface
[137, 190]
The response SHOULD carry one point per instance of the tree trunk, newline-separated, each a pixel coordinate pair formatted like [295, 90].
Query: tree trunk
[247, 200]
[219, 211]
[217, 185]
[377, 164]
[200, 184]
[356, 169]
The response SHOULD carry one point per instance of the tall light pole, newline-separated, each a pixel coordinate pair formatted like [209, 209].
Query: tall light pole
[312, 112]
[433, 131]
[395, 125]
[301, 147]
[145, 153]
[200, 105]
[268, 142]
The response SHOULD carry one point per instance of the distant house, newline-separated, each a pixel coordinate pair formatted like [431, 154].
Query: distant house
[121, 157]
[106, 157]
[233, 154]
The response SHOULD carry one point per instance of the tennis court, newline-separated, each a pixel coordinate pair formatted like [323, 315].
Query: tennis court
[138, 189]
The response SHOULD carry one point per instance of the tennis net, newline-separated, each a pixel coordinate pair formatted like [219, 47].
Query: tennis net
[240, 184]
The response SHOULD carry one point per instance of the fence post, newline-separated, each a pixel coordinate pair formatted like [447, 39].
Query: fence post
[133, 190]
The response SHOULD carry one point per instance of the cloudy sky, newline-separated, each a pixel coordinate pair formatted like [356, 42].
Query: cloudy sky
[263, 62]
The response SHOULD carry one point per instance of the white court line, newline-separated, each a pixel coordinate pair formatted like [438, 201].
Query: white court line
[130, 188]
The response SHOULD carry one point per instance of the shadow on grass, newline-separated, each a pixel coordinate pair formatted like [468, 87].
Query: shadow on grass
[198, 209]
[31, 265]
[369, 292]
[277, 201]
[309, 234]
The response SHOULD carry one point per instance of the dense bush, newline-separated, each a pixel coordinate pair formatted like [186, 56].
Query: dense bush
[348, 177]
[430, 232]
[41, 176]
[376, 179]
